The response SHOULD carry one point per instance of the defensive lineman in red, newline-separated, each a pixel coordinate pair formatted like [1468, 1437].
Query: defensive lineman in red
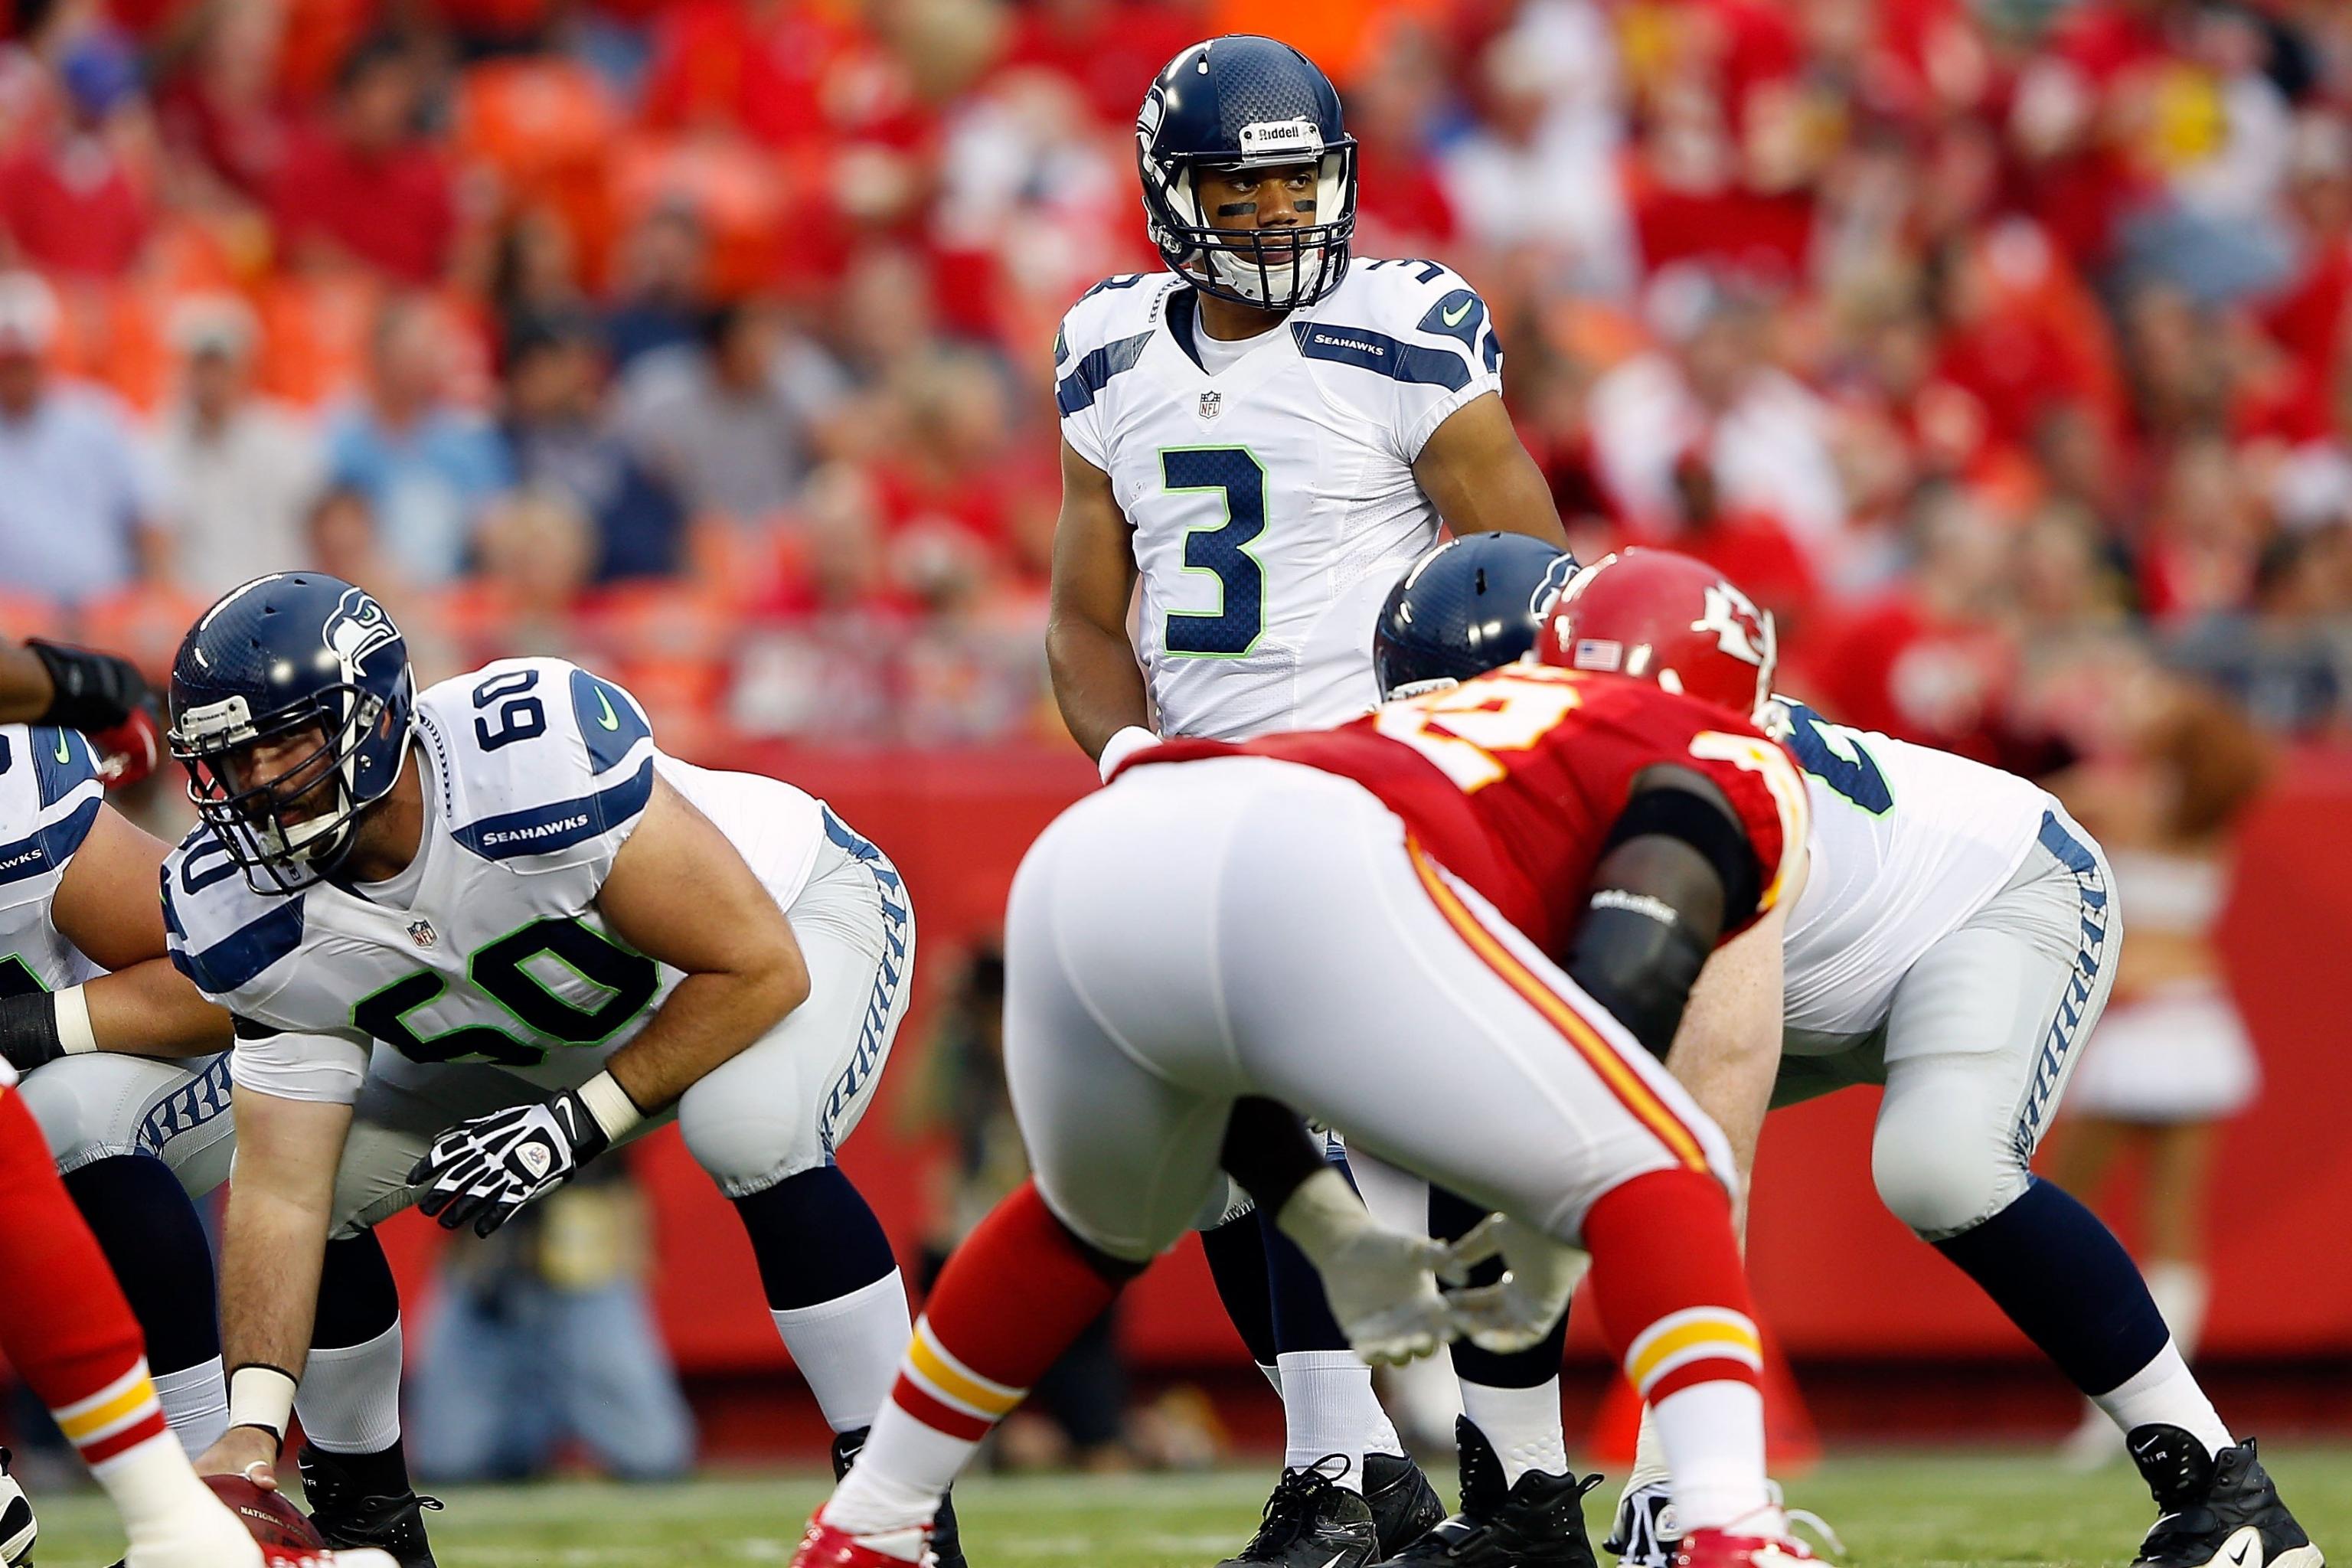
[1406, 929]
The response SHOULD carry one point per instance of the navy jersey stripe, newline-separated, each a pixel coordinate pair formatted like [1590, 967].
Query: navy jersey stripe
[1077, 390]
[238, 958]
[543, 829]
[1379, 352]
[61, 761]
[51, 847]
[609, 722]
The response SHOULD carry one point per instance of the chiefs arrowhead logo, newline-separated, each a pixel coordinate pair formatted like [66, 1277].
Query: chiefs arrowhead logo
[1738, 627]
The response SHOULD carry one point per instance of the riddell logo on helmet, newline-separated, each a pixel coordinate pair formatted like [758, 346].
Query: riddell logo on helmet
[1270, 136]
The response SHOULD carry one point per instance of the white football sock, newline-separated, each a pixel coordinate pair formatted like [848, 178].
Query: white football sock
[1523, 1424]
[848, 1348]
[1713, 1435]
[1327, 1407]
[2180, 1292]
[195, 1403]
[1649, 1456]
[2164, 1390]
[350, 1396]
[169, 1515]
[899, 1477]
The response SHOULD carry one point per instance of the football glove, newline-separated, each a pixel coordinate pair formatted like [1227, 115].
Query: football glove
[1518, 1311]
[128, 751]
[93, 691]
[1381, 1283]
[484, 1169]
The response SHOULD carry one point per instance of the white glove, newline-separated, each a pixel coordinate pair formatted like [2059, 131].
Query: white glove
[1381, 1283]
[1517, 1311]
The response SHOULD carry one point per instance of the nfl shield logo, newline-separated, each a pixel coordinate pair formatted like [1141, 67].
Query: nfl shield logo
[1212, 405]
[421, 933]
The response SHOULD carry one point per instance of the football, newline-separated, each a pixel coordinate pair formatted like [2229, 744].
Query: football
[274, 1521]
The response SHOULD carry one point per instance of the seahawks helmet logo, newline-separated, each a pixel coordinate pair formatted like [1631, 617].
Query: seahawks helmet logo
[1555, 581]
[358, 628]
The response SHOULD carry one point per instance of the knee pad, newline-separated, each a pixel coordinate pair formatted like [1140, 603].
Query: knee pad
[749, 1136]
[1941, 1179]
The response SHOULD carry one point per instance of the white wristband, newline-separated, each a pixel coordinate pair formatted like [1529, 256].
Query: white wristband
[261, 1397]
[610, 1104]
[1122, 746]
[74, 1033]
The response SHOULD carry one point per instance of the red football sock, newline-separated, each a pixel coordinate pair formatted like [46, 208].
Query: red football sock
[1673, 1305]
[63, 1322]
[1017, 1294]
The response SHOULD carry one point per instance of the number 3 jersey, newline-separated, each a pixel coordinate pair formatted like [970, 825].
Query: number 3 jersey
[1513, 780]
[489, 948]
[50, 799]
[1272, 503]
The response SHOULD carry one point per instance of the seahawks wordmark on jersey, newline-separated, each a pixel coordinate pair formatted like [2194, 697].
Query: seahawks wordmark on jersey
[1907, 843]
[489, 948]
[1274, 502]
[50, 799]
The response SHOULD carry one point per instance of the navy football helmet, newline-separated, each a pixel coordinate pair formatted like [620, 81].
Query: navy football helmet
[292, 653]
[1245, 102]
[1470, 605]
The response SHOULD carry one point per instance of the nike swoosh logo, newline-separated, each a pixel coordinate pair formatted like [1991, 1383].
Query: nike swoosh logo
[1454, 318]
[604, 715]
[65, 755]
[2238, 1556]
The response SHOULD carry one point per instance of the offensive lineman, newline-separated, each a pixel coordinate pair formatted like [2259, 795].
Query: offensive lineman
[1955, 942]
[1356, 923]
[474, 937]
[1266, 435]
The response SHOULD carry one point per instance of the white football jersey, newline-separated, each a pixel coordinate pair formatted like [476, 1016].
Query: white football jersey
[50, 799]
[1272, 504]
[1907, 844]
[535, 773]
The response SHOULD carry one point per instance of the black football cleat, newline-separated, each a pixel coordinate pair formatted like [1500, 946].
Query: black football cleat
[1537, 1521]
[18, 1531]
[2219, 1511]
[347, 1515]
[947, 1540]
[1312, 1521]
[1645, 1533]
[1404, 1506]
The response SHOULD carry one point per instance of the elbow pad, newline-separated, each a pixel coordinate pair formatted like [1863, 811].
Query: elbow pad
[1635, 956]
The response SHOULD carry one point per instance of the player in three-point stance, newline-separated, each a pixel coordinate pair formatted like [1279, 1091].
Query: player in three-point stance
[1456, 930]
[1264, 434]
[1954, 942]
[475, 937]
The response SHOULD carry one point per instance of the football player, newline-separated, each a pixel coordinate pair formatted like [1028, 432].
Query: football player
[1264, 434]
[1361, 923]
[1954, 942]
[475, 937]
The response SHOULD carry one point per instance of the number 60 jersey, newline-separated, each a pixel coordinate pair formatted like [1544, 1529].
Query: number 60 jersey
[1272, 503]
[489, 948]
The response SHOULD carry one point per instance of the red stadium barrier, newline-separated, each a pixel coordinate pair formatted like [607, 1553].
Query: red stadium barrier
[1835, 1275]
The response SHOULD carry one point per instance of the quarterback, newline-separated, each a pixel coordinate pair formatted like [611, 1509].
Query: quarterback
[476, 936]
[1263, 435]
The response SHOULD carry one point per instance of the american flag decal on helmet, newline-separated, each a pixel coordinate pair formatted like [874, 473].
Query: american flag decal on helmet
[1597, 653]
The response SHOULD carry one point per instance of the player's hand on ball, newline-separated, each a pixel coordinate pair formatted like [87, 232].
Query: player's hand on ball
[1518, 1311]
[484, 1170]
[248, 1451]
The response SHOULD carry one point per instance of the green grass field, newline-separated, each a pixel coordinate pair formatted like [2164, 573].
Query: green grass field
[1899, 1509]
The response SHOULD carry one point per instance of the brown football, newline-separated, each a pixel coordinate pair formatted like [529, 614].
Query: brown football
[273, 1521]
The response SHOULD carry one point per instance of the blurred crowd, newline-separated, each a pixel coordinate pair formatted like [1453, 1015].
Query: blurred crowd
[710, 341]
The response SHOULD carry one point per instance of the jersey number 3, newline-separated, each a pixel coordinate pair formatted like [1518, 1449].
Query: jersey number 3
[1223, 551]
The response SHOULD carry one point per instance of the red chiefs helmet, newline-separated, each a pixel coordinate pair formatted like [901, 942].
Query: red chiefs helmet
[1668, 618]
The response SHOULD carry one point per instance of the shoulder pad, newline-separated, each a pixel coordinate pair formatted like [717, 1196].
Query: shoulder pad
[537, 757]
[1424, 303]
[220, 933]
[50, 799]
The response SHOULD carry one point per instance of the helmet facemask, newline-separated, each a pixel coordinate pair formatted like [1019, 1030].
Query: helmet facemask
[1269, 268]
[291, 830]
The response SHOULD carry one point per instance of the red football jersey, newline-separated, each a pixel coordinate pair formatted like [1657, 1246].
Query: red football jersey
[1513, 780]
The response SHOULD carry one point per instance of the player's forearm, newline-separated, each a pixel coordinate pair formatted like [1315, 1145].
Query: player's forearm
[273, 1244]
[707, 1020]
[1098, 685]
[26, 689]
[151, 1010]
